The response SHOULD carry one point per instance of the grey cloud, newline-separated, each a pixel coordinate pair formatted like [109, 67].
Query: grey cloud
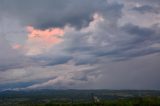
[45, 14]
[85, 59]
[51, 60]
[65, 77]
[9, 58]
[129, 41]
[136, 30]
[157, 2]
[91, 42]
[144, 2]
[138, 44]
[138, 73]
[146, 9]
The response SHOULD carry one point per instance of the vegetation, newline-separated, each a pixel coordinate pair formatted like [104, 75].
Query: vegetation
[80, 98]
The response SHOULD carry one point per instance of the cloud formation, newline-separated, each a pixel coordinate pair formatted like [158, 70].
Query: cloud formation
[79, 44]
[40, 40]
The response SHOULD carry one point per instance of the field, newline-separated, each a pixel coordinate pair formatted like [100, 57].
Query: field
[80, 98]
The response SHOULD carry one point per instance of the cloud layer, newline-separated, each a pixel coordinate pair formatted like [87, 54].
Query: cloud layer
[79, 44]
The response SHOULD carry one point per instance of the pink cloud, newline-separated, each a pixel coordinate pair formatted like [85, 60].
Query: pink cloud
[16, 46]
[50, 36]
[39, 40]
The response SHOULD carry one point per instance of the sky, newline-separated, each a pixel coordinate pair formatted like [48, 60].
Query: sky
[79, 44]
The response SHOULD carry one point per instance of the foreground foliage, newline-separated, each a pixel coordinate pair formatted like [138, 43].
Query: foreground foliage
[145, 101]
[80, 98]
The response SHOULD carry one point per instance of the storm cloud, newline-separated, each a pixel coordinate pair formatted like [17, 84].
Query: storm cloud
[104, 44]
[45, 14]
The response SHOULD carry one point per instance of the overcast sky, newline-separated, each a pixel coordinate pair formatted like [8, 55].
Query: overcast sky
[79, 44]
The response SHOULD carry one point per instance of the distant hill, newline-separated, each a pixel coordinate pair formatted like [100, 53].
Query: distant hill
[71, 97]
[78, 94]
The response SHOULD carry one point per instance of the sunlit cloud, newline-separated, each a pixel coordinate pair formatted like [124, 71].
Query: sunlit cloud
[39, 41]
[63, 45]
[16, 46]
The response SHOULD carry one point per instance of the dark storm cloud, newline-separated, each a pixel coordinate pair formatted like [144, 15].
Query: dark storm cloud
[146, 9]
[94, 38]
[140, 43]
[130, 41]
[144, 2]
[45, 14]
[50, 13]
[136, 30]
[149, 1]
[85, 75]
[51, 60]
